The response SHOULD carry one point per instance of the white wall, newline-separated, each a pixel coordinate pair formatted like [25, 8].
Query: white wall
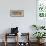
[24, 23]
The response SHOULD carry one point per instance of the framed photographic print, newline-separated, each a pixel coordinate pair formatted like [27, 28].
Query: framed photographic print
[41, 12]
[17, 13]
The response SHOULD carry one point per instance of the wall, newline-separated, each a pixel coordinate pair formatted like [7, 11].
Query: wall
[24, 23]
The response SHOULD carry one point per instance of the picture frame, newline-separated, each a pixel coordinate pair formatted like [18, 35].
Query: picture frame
[17, 13]
[41, 12]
